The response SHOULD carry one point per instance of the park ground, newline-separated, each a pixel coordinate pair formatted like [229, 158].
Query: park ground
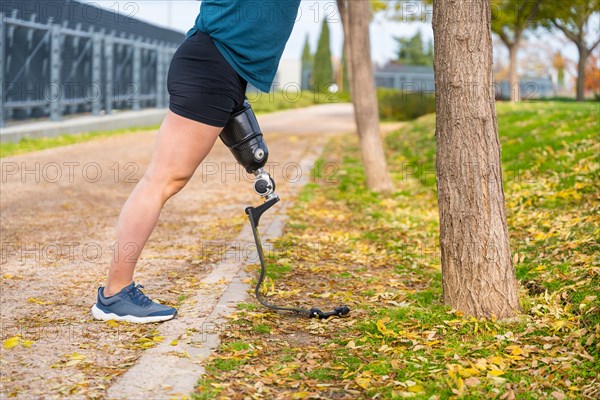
[59, 205]
[342, 245]
[379, 255]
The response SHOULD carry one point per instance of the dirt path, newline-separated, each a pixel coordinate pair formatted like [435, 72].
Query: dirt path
[58, 210]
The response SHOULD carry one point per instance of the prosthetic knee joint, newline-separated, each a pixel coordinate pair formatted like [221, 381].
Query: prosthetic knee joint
[245, 140]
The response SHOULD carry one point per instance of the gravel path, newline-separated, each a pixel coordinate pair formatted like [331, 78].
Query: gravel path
[58, 211]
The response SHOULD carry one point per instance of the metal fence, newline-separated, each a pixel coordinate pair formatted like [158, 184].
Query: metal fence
[51, 70]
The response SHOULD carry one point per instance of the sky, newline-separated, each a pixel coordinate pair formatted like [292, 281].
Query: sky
[181, 14]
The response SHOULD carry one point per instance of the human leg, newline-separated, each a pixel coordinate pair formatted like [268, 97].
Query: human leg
[180, 147]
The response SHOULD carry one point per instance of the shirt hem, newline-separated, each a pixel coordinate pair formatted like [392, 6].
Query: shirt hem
[263, 86]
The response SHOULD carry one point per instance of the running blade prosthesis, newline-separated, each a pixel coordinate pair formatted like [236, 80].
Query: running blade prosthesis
[254, 214]
[243, 137]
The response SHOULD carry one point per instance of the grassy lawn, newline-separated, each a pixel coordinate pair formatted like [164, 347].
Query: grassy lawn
[379, 255]
[263, 103]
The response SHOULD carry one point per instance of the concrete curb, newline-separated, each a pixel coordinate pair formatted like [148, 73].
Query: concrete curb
[171, 371]
[120, 120]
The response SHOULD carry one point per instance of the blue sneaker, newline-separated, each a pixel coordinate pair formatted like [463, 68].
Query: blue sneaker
[130, 305]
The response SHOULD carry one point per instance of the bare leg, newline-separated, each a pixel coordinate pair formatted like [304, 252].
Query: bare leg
[181, 146]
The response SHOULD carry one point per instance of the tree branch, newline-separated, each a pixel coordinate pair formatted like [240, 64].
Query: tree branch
[536, 10]
[570, 35]
[504, 38]
[594, 46]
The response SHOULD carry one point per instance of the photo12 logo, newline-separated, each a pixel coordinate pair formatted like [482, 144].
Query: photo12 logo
[68, 172]
[63, 10]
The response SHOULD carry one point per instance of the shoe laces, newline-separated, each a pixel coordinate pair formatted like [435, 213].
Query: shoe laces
[139, 297]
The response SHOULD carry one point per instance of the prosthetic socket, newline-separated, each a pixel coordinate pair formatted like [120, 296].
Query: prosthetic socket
[245, 140]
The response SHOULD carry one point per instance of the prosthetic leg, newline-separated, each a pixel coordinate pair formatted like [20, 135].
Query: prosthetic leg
[243, 137]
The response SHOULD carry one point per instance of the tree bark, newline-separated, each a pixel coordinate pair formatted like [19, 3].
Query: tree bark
[478, 276]
[513, 78]
[346, 28]
[364, 98]
[583, 57]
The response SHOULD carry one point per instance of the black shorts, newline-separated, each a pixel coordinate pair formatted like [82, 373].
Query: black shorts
[202, 84]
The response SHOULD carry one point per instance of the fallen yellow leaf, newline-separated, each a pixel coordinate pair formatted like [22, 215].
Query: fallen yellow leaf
[75, 359]
[363, 382]
[12, 342]
[468, 372]
[416, 388]
[38, 301]
[77, 356]
[301, 395]
[383, 329]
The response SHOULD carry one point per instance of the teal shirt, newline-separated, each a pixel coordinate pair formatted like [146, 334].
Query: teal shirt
[251, 34]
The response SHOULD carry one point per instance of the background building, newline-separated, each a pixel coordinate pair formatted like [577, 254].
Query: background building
[421, 79]
[67, 57]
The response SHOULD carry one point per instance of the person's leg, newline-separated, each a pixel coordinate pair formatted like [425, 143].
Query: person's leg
[181, 146]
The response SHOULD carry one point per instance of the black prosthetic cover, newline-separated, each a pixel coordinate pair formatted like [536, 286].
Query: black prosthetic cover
[245, 140]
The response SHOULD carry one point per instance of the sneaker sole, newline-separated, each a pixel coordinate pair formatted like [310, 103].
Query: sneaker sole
[101, 315]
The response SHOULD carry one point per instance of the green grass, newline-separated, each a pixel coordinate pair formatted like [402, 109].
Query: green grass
[209, 391]
[277, 268]
[227, 365]
[321, 374]
[239, 346]
[281, 100]
[246, 306]
[261, 328]
[382, 259]
[181, 298]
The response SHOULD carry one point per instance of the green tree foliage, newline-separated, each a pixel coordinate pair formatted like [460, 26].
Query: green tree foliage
[510, 18]
[323, 69]
[345, 81]
[379, 5]
[307, 61]
[413, 51]
[307, 56]
[573, 19]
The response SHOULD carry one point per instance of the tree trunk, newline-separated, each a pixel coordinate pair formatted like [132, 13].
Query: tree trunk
[346, 28]
[364, 98]
[583, 57]
[513, 78]
[478, 277]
